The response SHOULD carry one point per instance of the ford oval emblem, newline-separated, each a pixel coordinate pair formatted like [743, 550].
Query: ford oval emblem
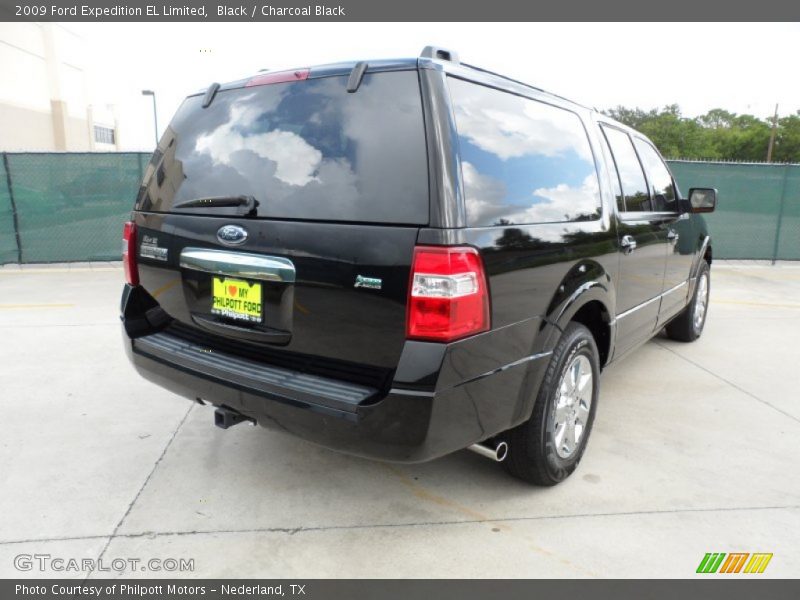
[232, 235]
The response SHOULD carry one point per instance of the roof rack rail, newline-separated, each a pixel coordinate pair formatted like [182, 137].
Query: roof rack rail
[440, 53]
[522, 83]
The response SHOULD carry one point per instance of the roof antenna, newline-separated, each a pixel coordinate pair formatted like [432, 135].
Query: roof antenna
[356, 75]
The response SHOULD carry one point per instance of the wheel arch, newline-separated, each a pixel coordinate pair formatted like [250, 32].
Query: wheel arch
[586, 295]
[595, 317]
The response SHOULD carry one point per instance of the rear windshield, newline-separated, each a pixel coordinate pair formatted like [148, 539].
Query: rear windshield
[303, 150]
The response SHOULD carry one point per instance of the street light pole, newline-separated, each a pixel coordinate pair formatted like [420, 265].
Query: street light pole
[155, 114]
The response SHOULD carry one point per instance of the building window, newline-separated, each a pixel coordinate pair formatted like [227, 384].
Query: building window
[103, 135]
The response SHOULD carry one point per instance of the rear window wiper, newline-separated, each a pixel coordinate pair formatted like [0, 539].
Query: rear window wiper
[247, 204]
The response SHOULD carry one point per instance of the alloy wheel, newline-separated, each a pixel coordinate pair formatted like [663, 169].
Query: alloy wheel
[572, 406]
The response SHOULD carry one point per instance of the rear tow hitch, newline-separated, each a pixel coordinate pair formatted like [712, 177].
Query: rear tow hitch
[226, 417]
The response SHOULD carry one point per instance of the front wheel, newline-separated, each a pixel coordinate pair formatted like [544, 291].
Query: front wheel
[688, 325]
[547, 448]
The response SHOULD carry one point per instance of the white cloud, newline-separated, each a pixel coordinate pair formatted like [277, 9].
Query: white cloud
[511, 126]
[564, 202]
[485, 196]
[296, 160]
[487, 205]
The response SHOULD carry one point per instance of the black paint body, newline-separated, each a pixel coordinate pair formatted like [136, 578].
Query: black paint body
[430, 399]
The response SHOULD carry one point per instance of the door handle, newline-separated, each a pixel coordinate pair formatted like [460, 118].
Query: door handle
[672, 236]
[628, 244]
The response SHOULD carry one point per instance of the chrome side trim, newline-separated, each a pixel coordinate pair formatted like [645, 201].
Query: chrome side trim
[674, 288]
[238, 264]
[630, 311]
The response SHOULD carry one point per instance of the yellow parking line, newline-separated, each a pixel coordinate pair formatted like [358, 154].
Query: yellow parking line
[747, 303]
[12, 306]
[166, 286]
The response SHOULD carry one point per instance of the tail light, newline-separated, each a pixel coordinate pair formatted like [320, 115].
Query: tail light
[448, 296]
[129, 253]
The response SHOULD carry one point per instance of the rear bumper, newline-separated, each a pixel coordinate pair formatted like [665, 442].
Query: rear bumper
[432, 408]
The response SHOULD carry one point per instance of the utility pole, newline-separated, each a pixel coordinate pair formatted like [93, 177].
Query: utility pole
[772, 135]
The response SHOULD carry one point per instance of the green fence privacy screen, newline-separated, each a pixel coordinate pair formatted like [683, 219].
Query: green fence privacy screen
[58, 207]
[758, 210]
[66, 206]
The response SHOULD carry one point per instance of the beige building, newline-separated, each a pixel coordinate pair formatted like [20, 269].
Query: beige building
[44, 92]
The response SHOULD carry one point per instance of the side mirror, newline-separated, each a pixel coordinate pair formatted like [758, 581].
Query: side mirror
[702, 200]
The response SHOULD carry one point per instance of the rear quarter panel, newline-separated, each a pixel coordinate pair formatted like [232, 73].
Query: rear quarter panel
[539, 276]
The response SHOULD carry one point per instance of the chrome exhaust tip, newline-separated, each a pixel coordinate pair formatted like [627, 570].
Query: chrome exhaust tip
[496, 452]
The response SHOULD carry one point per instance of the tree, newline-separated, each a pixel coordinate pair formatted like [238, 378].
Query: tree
[716, 118]
[718, 135]
[787, 139]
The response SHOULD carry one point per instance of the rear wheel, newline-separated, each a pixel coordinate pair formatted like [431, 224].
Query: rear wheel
[688, 325]
[547, 448]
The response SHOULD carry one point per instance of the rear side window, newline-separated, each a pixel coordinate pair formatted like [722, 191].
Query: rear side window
[522, 161]
[304, 150]
[634, 185]
[612, 168]
[660, 179]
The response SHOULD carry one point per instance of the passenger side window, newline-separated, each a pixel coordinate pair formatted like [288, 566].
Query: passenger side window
[661, 186]
[634, 185]
[522, 161]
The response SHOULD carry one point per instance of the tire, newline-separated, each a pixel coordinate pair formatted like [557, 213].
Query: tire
[536, 452]
[688, 325]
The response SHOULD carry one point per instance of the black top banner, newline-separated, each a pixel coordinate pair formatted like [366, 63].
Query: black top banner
[400, 10]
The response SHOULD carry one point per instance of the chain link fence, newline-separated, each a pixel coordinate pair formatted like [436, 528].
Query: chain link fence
[758, 213]
[58, 207]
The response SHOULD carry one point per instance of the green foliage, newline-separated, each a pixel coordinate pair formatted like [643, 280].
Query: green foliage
[787, 140]
[716, 135]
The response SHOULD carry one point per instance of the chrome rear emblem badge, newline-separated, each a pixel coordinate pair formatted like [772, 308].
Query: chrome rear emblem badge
[232, 235]
[372, 283]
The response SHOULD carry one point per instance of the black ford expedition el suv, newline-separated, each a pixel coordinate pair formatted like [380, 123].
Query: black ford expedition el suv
[403, 258]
